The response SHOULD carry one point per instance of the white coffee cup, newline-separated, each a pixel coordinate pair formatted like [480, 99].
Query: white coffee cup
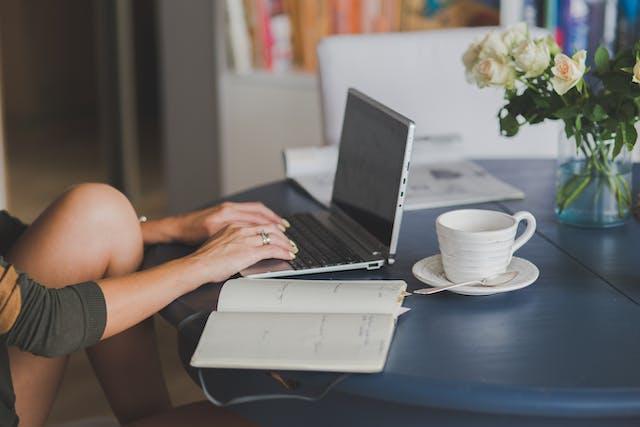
[476, 244]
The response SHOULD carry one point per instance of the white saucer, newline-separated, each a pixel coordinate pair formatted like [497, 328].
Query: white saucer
[429, 270]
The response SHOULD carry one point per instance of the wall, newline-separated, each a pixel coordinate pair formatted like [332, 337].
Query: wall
[49, 59]
[261, 115]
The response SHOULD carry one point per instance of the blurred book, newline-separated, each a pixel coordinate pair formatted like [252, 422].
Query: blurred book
[576, 24]
[283, 34]
[435, 180]
[587, 24]
[240, 45]
[628, 30]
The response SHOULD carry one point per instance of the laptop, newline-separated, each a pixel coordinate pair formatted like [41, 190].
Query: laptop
[360, 228]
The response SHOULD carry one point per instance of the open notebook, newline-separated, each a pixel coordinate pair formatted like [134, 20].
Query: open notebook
[340, 326]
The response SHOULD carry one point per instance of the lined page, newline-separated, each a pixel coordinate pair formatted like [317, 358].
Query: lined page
[311, 296]
[295, 341]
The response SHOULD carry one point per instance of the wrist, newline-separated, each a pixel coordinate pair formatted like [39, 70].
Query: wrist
[164, 230]
[196, 270]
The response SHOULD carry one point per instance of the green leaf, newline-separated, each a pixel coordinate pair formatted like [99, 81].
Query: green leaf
[618, 82]
[537, 119]
[625, 136]
[628, 110]
[509, 126]
[578, 138]
[568, 129]
[631, 135]
[598, 113]
[619, 143]
[601, 59]
[541, 102]
[625, 59]
[566, 113]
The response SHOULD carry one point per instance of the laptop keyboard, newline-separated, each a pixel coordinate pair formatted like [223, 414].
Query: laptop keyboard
[318, 246]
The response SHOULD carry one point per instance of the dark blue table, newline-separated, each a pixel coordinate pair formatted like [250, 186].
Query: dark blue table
[564, 351]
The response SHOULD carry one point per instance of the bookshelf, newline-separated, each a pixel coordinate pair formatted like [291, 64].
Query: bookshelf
[260, 114]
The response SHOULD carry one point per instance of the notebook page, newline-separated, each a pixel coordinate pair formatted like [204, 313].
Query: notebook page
[295, 341]
[311, 296]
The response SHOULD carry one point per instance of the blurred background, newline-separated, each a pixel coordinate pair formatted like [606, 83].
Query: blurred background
[177, 103]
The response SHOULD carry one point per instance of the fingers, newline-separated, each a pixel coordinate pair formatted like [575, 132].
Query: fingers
[254, 219]
[271, 252]
[259, 208]
[273, 240]
[276, 237]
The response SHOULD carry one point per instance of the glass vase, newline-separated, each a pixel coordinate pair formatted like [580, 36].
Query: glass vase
[592, 189]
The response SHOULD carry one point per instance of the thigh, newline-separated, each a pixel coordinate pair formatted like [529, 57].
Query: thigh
[70, 242]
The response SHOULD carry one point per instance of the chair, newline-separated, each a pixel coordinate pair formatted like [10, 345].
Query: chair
[421, 76]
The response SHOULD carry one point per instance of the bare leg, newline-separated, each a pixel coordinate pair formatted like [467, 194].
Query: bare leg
[200, 414]
[89, 233]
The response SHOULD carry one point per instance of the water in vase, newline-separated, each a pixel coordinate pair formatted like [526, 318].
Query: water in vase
[596, 203]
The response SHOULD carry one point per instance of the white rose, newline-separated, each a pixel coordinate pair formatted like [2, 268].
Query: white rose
[636, 72]
[515, 35]
[532, 58]
[493, 47]
[551, 43]
[567, 72]
[471, 55]
[493, 72]
[470, 59]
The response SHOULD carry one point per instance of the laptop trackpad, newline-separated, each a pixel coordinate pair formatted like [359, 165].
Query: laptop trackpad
[266, 266]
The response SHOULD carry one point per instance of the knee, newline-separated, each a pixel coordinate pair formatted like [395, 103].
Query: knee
[105, 211]
[100, 203]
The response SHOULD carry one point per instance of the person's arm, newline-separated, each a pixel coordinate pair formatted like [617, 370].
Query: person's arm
[133, 298]
[51, 322]
[195, 227]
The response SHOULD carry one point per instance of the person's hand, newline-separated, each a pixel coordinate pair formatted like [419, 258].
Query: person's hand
[195, 227]
[235, 248]
[199, 225]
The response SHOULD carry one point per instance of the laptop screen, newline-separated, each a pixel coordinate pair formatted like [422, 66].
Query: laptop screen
[370, 162]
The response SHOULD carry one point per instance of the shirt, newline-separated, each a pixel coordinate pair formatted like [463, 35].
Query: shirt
[46, 322]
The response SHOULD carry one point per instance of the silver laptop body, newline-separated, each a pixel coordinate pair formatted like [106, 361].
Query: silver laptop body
[361, 227]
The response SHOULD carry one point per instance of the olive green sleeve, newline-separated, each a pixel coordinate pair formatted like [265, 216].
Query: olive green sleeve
[52, 322]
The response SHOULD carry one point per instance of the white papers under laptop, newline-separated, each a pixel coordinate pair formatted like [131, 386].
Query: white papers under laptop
[433, 182]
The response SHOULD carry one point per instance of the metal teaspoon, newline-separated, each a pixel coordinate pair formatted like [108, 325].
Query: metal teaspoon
[497, 280]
